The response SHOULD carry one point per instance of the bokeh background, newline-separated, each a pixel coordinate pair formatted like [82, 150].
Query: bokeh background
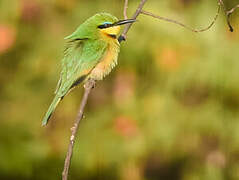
[169, 111]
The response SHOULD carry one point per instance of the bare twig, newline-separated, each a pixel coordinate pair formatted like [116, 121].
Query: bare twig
[227, 17]
[91, 83]
[181, 24]
[122, 37]
[228, 14]
[88, 86]
[232, 10]
[125, 9]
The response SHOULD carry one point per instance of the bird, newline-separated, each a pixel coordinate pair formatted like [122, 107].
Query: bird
[91, 53]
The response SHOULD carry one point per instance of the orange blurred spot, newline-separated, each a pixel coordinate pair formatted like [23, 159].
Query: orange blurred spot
[126, 126]
[216, 158]
[7, 38]
[124, 86]
[30, 10]
[168, 59]
[171, 58]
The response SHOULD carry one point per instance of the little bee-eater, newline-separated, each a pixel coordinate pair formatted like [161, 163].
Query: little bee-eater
[91, 53]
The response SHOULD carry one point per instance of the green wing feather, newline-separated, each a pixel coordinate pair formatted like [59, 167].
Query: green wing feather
[80, 57]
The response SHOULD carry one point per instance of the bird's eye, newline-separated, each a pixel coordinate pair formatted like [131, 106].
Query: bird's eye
[105, 25]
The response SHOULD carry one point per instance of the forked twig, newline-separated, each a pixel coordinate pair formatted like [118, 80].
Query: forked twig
[88, 87]
[228, 14]
[232, 10]
[227, 17]
[122, 37]
[181, 24]
[90, 84]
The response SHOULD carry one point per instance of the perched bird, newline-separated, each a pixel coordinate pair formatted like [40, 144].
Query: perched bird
[91, 53]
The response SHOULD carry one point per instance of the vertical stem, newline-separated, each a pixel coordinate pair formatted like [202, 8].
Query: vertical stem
[127, 26]
[125, 9]
[88, 86]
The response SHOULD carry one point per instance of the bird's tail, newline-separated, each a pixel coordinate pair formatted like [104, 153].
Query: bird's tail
[51, 109]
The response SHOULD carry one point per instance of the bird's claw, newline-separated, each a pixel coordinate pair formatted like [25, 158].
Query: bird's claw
[90, 84]
[121, 38]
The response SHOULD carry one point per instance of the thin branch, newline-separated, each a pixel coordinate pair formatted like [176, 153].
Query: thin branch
[88, 86]
[226, 14]
[125, 9]
[122, 37]
[232, 10]
[181, 24]
[91, 83]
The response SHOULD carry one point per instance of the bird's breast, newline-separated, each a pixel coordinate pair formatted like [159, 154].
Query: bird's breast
[107, 62]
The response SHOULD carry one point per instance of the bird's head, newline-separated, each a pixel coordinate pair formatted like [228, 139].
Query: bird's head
[100, 24]
[109, 25]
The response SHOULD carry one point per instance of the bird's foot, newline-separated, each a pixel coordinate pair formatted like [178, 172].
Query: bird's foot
[121, 38]
[90, 84]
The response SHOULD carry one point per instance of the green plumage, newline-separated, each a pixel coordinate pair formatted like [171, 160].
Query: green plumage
[84, 50]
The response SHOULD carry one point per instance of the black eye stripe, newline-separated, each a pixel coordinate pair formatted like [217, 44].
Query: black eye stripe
[106, 25]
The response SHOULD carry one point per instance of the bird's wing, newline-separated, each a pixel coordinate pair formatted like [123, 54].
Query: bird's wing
[80, 57]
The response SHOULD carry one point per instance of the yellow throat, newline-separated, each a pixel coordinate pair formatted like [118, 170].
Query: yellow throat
[111, 31]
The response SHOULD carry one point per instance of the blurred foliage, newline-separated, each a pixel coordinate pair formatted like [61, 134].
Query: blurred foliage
[170, 110]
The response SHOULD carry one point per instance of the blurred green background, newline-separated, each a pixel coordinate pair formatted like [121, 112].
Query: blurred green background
[169, 110]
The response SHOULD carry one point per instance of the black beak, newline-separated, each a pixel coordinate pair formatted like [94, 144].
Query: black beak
[126, 21]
